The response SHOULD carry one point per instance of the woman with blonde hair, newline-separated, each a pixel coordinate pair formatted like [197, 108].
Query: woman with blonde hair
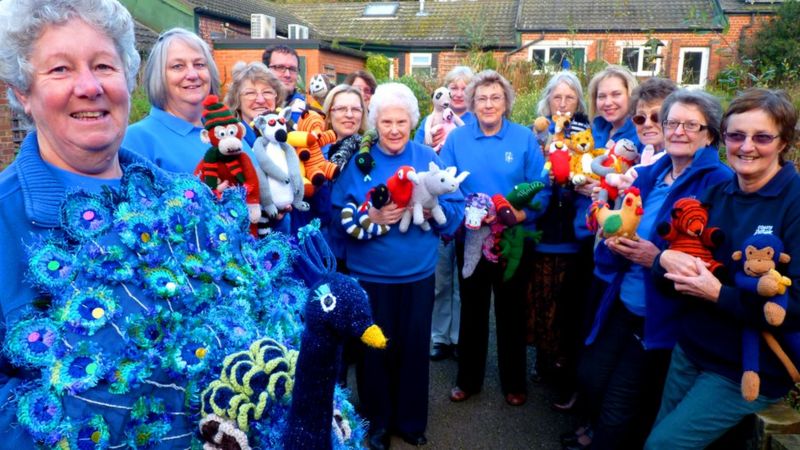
[253, 91]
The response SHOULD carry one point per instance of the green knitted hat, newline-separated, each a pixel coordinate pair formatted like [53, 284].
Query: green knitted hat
[215, 113]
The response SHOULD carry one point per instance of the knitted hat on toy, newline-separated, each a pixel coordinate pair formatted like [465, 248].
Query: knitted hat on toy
[216, 113]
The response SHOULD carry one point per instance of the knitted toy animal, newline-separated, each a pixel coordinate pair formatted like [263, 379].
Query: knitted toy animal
[541, 129]
[428, 186]
[522, 195]
[318, 88]
[338, 308]
[308, 140]
[688, 232]
[401, 186]
[479, 213]
[340, 152]
[364, 161]
[618, 159]
[562, 124]
[623, 181]
[558, 158]
[279, 175]
[442, 117]
[619, 222]
[512, 245]
[583, 153]
[225, 164]
[760, 256]
[355, 219]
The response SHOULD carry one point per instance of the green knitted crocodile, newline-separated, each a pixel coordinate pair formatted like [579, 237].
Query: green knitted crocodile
[512, 244]
[523, 193]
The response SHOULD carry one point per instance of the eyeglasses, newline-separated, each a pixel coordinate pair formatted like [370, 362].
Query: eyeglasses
[347, 109]
[759, 139]
[693, 127]
[283, 69]
[640, 119]
[252, 95]
[486, 100]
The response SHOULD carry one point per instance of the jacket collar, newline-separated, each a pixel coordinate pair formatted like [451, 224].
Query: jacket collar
[773, 188]
[42, 192]
[174, 123]
[477, 133]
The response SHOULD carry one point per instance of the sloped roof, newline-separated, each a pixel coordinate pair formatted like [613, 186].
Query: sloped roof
[145, 37]
[749, 6]
[455, 22]
[617, 15]
[240, 11]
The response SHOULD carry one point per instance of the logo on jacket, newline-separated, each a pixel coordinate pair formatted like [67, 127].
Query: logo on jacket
[764, 229]
[509, 157]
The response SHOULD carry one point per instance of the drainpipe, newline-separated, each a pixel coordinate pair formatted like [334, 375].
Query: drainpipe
[421, 11]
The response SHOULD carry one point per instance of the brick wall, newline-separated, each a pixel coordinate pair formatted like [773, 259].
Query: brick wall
[7, 147]
[229, 31]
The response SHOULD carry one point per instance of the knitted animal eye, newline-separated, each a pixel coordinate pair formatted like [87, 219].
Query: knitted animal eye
[326, 298]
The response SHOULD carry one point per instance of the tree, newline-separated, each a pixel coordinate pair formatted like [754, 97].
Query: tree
[776, 46]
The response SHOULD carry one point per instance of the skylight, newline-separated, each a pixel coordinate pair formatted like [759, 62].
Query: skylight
[381, 9]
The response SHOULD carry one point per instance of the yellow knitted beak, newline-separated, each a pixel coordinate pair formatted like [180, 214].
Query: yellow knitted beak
[373, 336]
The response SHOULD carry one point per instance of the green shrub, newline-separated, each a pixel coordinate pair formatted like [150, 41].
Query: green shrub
[378, 65]
[524, 111]
[140, 106]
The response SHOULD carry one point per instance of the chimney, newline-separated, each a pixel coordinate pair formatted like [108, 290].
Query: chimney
[421, 11]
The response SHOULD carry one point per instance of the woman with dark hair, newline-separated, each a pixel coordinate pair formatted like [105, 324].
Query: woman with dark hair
[364, 82]
[635, 325]
[703, 394]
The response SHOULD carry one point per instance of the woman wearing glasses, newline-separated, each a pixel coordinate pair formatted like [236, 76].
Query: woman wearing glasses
[179, 74]
[633, 318]
[499, 155]
[702, 397]
[253, 91]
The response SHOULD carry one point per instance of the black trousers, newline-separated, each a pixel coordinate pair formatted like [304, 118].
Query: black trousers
[622, 382]
[393, 383]
[510, 321]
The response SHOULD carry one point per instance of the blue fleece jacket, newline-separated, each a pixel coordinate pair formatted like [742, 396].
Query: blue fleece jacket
[711, 333]
[31, 192]
[419, 136]
[663, 313]
[497, 163]
[394, 257]
[170, 142]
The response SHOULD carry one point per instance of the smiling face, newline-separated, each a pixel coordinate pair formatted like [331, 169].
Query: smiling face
[563, 99]
[346, 114]
[490, 105]
[188, 79]
[612, 100]
[394, 128]
[681, 143]
[256, 98]
[650, 132]
[78, 97]
[458, 101]
[754, 164]
[285, 67]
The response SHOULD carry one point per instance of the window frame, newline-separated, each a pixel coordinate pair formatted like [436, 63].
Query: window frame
[704, 63]
[547, 46]
[642, 47]
[412, 65]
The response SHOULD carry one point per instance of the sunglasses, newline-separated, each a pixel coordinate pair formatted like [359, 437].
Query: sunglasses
[640, 119]
[760, 139]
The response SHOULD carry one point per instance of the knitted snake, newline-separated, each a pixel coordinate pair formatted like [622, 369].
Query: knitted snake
[364, 161]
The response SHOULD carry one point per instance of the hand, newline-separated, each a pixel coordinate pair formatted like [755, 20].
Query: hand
[520, 214]
[253, 212]
[438, 137]
[390, 214]
[283, 212]
[703, 285]
[642, 252]
[588, 188]
[678, 263]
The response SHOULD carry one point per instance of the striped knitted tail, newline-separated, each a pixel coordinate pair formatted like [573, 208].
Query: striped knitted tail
[357, 224]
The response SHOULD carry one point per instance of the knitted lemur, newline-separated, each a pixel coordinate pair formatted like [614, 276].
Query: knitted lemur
[688, 232]
[279, 174]
[225, 164]
[442, 117]
[760, 256]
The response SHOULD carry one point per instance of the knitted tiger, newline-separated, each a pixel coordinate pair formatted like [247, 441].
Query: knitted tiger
[689, 232]
[308, 140]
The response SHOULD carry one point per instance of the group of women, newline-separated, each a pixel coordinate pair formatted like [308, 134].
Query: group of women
[653, 344]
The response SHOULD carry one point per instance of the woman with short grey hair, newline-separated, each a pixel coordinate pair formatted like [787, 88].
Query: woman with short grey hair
[395, 268]
[179, 74]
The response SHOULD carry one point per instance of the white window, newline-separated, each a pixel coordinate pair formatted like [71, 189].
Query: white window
[693, 67]
[558, 55]
[421, 63]
[640, 58]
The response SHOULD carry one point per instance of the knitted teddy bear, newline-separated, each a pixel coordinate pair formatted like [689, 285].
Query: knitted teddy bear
[688, 232]
[442, 117]
[225, 164]
[428, 186]
[308, 140]
[760, 255]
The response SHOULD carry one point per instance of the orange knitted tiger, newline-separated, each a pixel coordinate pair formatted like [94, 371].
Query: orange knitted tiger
[308, 140]
[689, 232]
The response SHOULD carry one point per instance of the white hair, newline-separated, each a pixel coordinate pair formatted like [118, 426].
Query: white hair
[393, 94]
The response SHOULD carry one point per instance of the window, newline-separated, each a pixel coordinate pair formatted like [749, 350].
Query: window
[693, 67]
[641, 58]
[381, 9]
[421, 63]
[558, 56]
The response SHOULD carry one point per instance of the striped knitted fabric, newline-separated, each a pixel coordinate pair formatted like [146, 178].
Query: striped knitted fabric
[216, 113]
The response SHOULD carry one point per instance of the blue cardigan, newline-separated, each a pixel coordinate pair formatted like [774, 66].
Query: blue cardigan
[662, 312]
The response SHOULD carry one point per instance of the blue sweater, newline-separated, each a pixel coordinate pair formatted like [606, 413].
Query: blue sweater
[663, 313]
[497, 163]
[711, 333]
[419, 136]
[394, 257]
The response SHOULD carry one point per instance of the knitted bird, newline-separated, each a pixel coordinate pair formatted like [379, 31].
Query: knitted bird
[618, 222]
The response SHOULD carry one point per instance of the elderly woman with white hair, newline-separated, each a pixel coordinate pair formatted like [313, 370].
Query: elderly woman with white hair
[179, 74]
[396, 269]
[499, 155]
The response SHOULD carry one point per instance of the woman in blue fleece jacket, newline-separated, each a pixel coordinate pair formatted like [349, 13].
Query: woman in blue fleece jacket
[498, 155]
[702, 395]
[635, 325]
[397, 271]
